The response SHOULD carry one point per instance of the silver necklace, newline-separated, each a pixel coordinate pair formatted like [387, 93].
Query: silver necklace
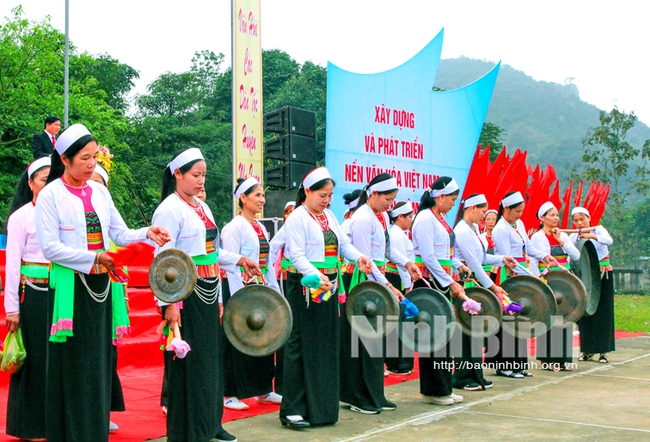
[98, 297]
[208, 296]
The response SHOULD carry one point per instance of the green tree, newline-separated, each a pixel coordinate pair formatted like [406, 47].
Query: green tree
[182, 110]
[608, 157]
[31, 87]
[114, 78]
[492, 137]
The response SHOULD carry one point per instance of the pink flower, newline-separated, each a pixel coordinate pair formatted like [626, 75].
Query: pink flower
[179, 346]
[471, 306]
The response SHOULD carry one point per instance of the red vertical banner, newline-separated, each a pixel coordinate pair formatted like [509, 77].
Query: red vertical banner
[247, 91]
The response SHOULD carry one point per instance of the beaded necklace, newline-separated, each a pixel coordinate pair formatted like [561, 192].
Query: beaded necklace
[321, 219]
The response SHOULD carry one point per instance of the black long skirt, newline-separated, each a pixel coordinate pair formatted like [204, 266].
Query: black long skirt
[362, 376]
[117, 395]
[435, 372]
[468, 367]
[597, 331]
[26, 402]
[311, 358]
[195, 383]
[403, 359]
[278, 382]
[556, 345]
[245, 376]
[79, 371]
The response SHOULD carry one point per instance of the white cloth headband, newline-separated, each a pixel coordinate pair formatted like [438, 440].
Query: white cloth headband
[353, 204]
[513, 199]
[450, 188]
[545, 208]
[316, 175]
[580, 210]
[382, 186]
[243, 187]
[102, 173]
[475, 201]
[37, 164]
[491, 211]
[290, 204]
[402, 210]
[69, 136]
[191, 154]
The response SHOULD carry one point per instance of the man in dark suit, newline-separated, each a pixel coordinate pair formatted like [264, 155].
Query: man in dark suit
[43, 143]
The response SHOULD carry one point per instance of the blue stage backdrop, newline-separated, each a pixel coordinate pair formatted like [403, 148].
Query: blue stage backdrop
[394, 122]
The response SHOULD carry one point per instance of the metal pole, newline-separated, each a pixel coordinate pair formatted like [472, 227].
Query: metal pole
[66, 66]
[233, 65]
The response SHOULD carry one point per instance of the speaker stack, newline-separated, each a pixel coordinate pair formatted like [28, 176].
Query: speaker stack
[293, 148]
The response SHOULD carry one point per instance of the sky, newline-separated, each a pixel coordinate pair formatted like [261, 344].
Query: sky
[597, 45]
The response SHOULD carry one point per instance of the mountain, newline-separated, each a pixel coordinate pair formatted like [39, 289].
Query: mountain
[549, 120]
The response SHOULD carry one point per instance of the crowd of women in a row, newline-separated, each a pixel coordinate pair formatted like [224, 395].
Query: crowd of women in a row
[59, 291]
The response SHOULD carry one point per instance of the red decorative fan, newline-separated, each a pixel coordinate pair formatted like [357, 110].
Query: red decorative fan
[510, 174]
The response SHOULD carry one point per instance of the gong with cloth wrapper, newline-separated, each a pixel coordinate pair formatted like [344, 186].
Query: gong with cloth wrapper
[172, 275]
[570, 295]
[257, 319]
[372, 309]
[429, 330]
[484, 323]
[537, 302]
[587, 268]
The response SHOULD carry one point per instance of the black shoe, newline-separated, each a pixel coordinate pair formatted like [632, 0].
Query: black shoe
[473, 386]
[388, 406]
[364, 410]
[298, 423]
[224, 436]
[488, 384]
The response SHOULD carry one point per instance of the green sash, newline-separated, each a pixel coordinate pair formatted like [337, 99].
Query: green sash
[35, 272]
[358, 277]
[206, 260]
[331, 262]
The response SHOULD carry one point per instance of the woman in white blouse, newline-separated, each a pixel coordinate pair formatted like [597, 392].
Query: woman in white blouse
[362, 375]
[195, 383]
[75, 220]
[472, 252]
[555, 347]
[510, 238]
[315, 244]
[247, 376]
[597, 330]
[401, 254]
[26, 302]
[434, 243]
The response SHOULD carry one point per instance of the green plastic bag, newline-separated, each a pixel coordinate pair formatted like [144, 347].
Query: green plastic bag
[13, 356]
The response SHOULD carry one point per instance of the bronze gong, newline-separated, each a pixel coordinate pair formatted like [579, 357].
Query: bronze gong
[538, 303]
[172, 275]
[257, 320]
[587, 268]
[372, 309]
[479, 326]
[431, 329]
[570, 294]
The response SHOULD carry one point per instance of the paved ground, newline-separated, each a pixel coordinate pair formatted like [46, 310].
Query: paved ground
[597, 402]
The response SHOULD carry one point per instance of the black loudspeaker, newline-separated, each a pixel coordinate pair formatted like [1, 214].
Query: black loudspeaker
[291, 147]
[287, 175]
[276, 199]
[291, 119]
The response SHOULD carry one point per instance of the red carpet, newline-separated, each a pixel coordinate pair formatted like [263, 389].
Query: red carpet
[140, 370]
